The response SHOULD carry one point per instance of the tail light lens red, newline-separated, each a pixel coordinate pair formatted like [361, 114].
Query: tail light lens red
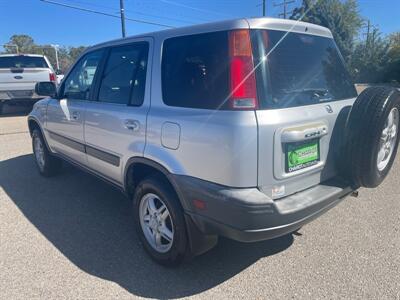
[52, 77]
[243, 93]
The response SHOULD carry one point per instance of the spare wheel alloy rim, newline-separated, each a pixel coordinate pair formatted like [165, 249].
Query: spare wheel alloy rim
[388, 139]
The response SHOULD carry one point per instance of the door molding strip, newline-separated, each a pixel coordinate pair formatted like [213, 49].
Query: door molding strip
[89, 150]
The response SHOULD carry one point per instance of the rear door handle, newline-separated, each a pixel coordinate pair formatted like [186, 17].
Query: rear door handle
[133, 125]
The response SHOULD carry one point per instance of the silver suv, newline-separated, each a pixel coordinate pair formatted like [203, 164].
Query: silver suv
[244, 129]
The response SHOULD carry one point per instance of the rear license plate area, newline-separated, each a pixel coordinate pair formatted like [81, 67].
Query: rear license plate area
[301, 155]
[23, 93]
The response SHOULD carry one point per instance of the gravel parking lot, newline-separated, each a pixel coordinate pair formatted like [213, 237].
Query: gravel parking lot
[72, 236]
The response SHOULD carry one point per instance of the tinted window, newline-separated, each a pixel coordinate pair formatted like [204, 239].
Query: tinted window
[124, 76]
[7, 62]
[195, 70]
[79, 81]
[300, 69]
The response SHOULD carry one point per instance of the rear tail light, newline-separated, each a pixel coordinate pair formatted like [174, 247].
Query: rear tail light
[243, 90]
[52, 77]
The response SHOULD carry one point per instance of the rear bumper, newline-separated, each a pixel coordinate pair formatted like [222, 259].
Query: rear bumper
[248, 215]
[19, 96]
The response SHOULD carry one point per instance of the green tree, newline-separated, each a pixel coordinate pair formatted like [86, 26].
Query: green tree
[370, 59]
[74, 52]
[341, 17]
[392, 73]
[24, 42]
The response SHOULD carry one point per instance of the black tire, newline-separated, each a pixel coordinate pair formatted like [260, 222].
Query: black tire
[51, 165]
[159, 186]
[364, 129]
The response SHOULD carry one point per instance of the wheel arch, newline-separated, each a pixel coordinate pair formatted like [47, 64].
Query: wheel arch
[137, 168]
[33, 124]
[198, 241]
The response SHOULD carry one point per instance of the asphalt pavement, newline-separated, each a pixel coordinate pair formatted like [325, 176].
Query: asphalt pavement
[71, 236]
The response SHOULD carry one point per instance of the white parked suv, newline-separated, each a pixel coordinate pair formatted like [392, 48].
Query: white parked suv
[247, 129]
[19, 74]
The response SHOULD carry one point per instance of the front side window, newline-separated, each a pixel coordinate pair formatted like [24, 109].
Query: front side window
[296, 69]
[124, 78]
[79, 82]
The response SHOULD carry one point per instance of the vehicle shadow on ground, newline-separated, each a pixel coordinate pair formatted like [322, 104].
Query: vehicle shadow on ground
[90, 223]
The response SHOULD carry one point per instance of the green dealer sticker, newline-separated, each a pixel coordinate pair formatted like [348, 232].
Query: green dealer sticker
[302, 155]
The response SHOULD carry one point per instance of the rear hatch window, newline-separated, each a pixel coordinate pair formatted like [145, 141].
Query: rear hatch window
[297, 69]
[21, 62]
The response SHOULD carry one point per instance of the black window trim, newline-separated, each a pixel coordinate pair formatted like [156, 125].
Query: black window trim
[99, 75]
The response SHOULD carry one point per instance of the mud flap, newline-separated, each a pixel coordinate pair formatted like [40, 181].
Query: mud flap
[199, 242]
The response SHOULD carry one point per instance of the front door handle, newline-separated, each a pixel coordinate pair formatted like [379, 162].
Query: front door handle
[133, 125]
[75, 115]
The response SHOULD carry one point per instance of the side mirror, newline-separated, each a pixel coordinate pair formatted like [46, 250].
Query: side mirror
[46, 88]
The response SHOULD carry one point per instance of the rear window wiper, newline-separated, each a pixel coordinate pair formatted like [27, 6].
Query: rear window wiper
[308, 90]
[319, 94]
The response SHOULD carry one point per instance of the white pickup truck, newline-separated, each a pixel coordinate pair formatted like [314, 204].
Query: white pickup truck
[18, 75]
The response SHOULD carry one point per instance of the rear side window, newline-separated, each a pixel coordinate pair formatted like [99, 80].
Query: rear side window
[195, 71]
[21, 61]
[124, 77]
[299, 69]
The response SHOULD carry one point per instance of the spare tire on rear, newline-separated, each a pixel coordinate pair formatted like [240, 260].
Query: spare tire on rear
[371, 136]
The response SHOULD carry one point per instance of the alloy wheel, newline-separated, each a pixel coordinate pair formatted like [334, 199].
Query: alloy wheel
[39, 152]
[156, 223]
[388, 139]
